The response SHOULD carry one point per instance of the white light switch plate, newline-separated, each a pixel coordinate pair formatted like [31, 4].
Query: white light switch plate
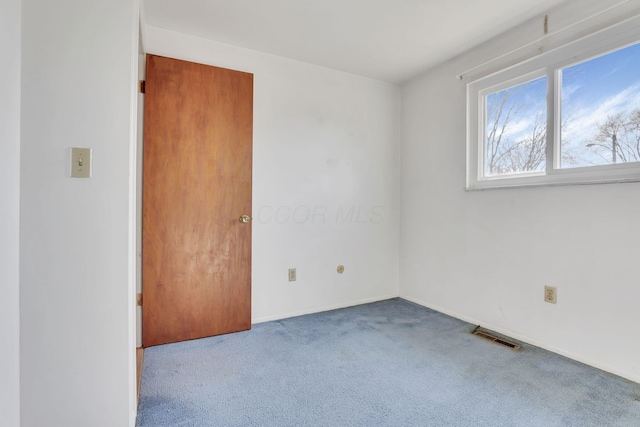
[81, 162]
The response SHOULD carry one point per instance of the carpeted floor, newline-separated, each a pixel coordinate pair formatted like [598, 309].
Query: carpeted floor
[391, 363]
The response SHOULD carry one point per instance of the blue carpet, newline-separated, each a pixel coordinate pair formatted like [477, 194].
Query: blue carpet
[391, 363]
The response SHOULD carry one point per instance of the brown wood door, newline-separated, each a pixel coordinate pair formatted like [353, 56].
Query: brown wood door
[196, 253]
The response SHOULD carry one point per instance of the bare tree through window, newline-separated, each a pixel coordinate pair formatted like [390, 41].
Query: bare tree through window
[618, 138]
[516, 129]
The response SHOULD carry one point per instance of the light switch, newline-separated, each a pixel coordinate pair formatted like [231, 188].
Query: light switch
[81, 162]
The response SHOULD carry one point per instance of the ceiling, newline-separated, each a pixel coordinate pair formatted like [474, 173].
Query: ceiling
[390, 40]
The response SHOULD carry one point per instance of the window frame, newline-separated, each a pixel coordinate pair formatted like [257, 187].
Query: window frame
[549, 64]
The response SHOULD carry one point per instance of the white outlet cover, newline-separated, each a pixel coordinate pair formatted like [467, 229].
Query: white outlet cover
[551, 294]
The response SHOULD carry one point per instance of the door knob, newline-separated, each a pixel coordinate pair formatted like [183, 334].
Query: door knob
[245, 219]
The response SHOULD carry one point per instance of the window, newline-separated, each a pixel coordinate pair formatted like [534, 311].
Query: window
[571, 116]
[515, 129]
[600, 106]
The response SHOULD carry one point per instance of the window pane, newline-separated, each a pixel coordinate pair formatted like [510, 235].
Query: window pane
[516, 129]
[601, 110]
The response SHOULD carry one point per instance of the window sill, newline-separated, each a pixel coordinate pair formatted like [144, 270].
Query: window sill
[521, 183]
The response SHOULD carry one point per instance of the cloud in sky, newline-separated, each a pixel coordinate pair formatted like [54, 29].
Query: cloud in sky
[582, 120]
[569, 90]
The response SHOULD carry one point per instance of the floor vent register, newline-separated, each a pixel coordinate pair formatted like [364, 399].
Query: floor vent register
[487, 336]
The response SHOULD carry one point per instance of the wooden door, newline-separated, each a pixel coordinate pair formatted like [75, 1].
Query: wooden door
[196, 253]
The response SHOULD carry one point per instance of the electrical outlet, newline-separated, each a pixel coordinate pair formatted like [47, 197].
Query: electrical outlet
[550, 294]
[292, 274]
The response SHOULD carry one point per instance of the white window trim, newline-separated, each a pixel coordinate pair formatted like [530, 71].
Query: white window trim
[549, 64]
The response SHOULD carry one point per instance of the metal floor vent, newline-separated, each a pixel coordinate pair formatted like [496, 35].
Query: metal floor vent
[499, 341]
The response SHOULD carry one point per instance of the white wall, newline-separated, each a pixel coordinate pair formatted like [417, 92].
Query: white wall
[325, 142]
[9, 213]
[486, 256]
[76, 311]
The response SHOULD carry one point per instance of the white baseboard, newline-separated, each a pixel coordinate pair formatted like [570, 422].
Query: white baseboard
[321, 309]
[528, 340]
